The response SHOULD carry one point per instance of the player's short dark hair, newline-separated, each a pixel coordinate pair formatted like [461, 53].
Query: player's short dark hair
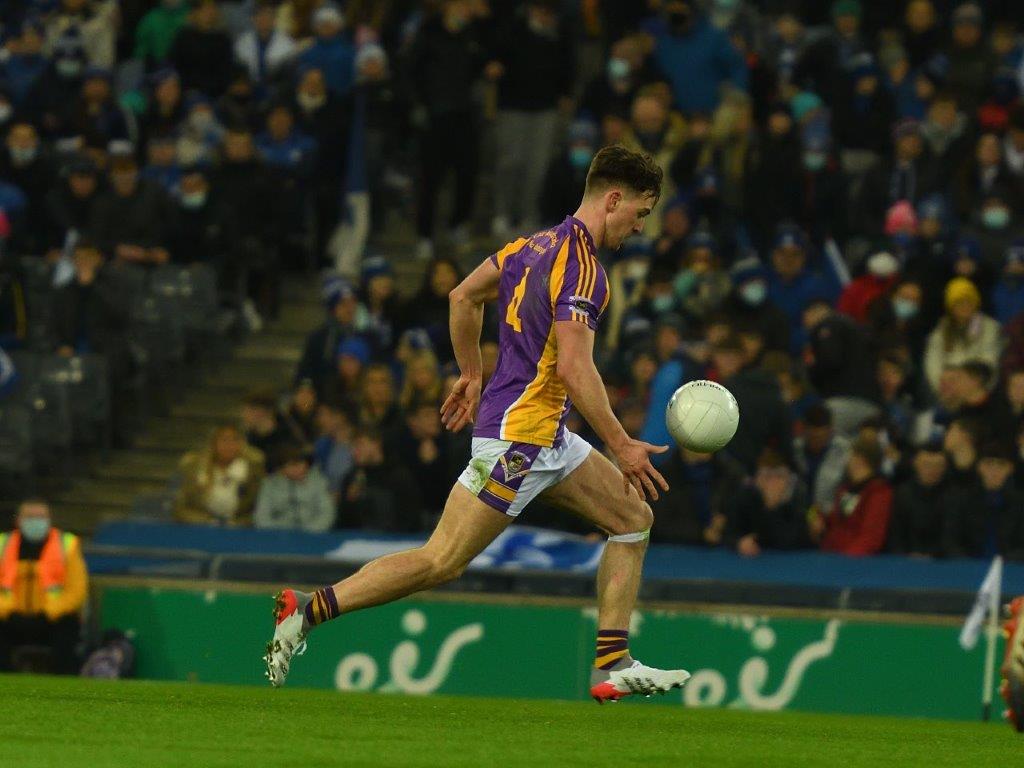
[617, 165]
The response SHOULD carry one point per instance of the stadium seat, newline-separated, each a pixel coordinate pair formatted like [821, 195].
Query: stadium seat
[49, 402]
[16, 458]
[88, 382]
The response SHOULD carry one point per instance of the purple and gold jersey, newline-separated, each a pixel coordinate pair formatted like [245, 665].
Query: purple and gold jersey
[553, 275]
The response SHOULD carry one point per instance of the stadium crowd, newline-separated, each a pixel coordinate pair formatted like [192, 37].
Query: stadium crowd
[839, 241]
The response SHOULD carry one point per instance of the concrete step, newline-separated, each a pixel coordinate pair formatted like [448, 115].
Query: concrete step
[142, 467]
[121, 493]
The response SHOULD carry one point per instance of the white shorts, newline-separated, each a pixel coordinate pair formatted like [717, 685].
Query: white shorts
[508, 476]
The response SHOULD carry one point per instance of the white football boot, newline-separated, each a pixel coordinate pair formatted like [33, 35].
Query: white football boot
[289, 637]
[634, 678]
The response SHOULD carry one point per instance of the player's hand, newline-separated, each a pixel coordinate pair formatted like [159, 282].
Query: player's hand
[634, 462]
[460, 407]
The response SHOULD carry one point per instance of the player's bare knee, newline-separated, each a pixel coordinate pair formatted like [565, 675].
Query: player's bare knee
[635, 517]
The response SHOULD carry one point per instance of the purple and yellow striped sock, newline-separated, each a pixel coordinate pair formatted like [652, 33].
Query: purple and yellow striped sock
[612, 647]
[322, 606]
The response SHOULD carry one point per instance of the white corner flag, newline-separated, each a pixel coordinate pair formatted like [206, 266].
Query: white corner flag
[986, 605]
[986, 601]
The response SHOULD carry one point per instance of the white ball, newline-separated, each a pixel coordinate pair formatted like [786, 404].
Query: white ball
[702, 416]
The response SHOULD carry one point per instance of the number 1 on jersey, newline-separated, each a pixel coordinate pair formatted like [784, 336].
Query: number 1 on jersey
[512, 313]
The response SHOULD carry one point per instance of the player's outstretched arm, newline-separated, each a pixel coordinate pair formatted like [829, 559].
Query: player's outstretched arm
[466, 317]
[582, 381]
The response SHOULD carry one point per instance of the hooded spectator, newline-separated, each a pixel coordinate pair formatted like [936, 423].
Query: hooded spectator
[202, 51]
[924, 507]
[295, 496]
[858, 522]
[769, 512]
[332, 51]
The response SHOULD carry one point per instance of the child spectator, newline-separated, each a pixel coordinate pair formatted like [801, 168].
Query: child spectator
[295, 496]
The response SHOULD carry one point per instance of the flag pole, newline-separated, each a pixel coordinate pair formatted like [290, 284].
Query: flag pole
[991, 634]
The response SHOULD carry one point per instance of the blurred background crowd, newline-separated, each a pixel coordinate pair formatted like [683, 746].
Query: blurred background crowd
[840, 238]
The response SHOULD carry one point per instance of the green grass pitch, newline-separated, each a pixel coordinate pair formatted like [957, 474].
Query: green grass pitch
[66, 723]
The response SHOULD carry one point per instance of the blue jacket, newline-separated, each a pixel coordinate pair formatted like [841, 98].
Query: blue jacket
[21, 73]
[336, 58]
[1007, 299]
[792, 297]
[667, 380]
[696, 64]
[295, 153]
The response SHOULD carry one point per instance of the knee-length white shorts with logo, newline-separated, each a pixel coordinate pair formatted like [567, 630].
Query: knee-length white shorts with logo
[507, 476]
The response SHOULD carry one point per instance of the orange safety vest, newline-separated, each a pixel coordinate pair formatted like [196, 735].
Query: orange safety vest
[52, 560]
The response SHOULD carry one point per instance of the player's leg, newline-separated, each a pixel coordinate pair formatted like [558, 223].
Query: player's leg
[594, 491]
[466, 527]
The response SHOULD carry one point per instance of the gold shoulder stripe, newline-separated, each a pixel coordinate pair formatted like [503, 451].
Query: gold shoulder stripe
[508, 250]
[558, 271]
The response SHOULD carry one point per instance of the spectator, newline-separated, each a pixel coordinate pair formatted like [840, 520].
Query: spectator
[44, 588]
[300, 416]
[219, 483]
[129, 220]
[701, 285]
[58, 85]
[25, 63]
[444, 63]
[155, 33]
[696, 58]
[201, 51]
[89, 314]
[566, 175]
[25, 165]
[838, 357]
[659, 132]
[792, 283]
[921, 34]
[749, 304]
[325, 117]
[857, 297]
[895, 320]
[200, 134]
[263, 427]
[865, 110]
[613, 91]
[295, 496]
[947, 135]
[377, 403]
[1008, 293]
[251, 227]
[971, 61]
[378, 495]
[95, 118]
[534, 62]
[990, 521]
[1013, 144]
[694, 509]
[321, 347]
[239, 105]
[964, 333]
[984, 177]
[905, 176]
[895, 388]
[263, 49]
[770, 511]
[332, 52]
[165, 109]
[380, 296]
[775, 179]
[333, 449]
[162, 165]
[422, 380]
[924, 507]
[69, 206]
[766, 419]
[419, 444]
[197, 222]
[821, 456]
[857, 523]
[428, 309]
[94, 22]
[977, 402]
[961, 443]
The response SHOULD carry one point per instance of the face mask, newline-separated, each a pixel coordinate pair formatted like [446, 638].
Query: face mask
[310, 102]
[815, 161]
[662, 303]
[754, 293]
[68, 68]
[6, 110]
[904, 309]
[995, 218]
[193, 200]
[618, 69]
[34, 529]
[580, 157]
[23, 155]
